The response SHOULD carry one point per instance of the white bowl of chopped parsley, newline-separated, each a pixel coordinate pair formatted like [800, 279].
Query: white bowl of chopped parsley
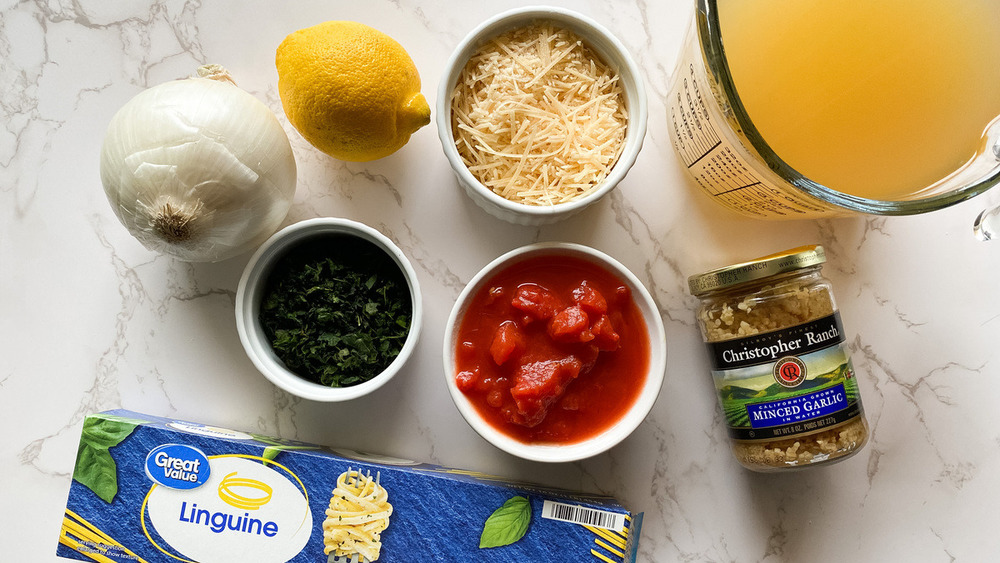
[328, 309]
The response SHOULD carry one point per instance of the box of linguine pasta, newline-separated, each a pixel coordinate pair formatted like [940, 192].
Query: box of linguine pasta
[155, 489]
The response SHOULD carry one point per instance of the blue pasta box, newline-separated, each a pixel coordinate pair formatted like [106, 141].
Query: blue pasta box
[154, 489]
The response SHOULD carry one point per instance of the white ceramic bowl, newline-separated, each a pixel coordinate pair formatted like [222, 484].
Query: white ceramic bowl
[251, 289]
[613, 435]
[614, 54]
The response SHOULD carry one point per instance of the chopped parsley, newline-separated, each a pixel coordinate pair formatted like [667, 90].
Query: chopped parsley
[336, 310]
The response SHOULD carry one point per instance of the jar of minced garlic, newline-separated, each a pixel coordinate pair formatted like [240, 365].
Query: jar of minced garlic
[782, 372]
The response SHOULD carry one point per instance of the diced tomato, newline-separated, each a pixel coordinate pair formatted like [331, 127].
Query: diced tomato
[483, 384]
[570, 325]
[605, 336]
[465, 352]
[538, 385]
[587, 354]
[536, 301]
[590, 299]
[466, 381]
[495, 293]
[575, 372]
[508, 411]
[508, 341]
[495, 398]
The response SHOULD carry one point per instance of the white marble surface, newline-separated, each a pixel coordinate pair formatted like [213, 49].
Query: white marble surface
[89, 320]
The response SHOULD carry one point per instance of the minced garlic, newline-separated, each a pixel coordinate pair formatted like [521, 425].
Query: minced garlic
[781, 369]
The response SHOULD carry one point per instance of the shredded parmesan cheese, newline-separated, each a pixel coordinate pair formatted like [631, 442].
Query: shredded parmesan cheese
[538, 117]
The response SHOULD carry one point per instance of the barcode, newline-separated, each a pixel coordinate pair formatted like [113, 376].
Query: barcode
[582, 515]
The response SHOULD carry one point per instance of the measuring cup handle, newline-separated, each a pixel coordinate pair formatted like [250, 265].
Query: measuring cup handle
[987, 223]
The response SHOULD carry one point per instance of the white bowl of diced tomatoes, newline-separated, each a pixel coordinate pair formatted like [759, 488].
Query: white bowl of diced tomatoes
[554, 352]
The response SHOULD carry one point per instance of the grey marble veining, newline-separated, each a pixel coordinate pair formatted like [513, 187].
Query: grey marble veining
[91, 320]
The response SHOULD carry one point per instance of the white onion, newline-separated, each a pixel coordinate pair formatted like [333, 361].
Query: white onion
[198, 168]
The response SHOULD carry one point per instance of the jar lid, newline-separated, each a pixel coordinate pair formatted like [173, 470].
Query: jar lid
[757, 269]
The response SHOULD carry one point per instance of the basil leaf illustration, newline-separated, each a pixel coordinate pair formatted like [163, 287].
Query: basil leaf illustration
[276, 446]
[95, 467]
[507, 524]
[271, 452]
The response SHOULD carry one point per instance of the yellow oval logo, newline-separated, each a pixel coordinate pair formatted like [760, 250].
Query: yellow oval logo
[248, 494]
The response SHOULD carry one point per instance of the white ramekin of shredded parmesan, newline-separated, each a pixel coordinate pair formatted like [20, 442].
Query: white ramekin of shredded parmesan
[541, 112]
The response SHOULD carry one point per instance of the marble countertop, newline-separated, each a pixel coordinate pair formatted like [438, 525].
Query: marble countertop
[90, 320]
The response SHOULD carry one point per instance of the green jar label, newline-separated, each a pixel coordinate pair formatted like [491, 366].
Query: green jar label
[792, 381]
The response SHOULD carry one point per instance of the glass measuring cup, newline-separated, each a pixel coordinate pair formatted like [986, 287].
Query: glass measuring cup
[729, 158]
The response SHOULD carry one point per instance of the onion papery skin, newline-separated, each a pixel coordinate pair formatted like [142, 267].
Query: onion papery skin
[198, 169]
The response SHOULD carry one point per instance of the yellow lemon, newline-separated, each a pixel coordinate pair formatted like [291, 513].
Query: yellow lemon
[350, 90]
